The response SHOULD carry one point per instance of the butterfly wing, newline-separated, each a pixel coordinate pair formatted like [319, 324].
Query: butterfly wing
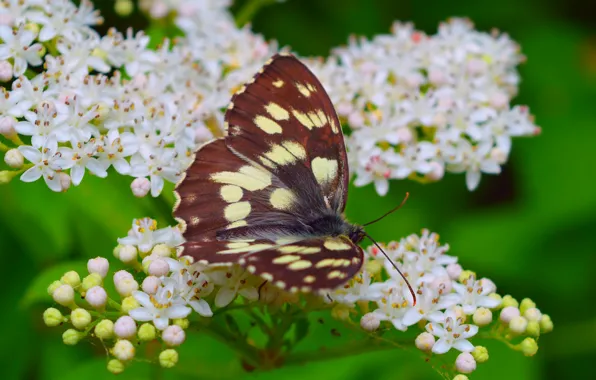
[284, 120]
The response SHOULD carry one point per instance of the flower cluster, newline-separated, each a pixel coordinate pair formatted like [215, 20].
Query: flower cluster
[113, 101]
[78, 102]
[420, 105]
[160, 295]
[452, 304]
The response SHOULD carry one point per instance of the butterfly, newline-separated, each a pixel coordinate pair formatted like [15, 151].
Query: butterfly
[270, 196]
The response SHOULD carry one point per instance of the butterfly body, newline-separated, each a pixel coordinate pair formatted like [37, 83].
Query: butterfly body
[270, 195]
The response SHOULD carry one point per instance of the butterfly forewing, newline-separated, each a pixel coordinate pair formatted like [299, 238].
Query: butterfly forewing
[255, 197]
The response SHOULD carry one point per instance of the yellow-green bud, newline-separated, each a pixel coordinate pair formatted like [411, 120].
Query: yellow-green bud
[80, 318]
[7, 175]
[71, 278]
[518, 325]
[529, 347]
[182, 322]
[146, 332]
[496, 297]
[123, 8]
[168, 358]
[53, 286]
[93, 279]
[129, 303]
[480, 354]
[53, 317]
[64, 295]
[33, 27]
[116, 251]
[115, 366]
[161, 250]
[465, 275]
[482, 316]
[546, 324]
[72, 337]
[509, 301]
[123, 350]
[104, 329]
[341, 312]
[533, 329]
[460, 377]
[373, 267]
[525, 304]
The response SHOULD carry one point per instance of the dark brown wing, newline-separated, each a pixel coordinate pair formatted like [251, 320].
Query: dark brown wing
[284, 120]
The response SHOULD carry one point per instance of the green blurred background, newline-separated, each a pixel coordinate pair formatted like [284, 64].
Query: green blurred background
[531, 230]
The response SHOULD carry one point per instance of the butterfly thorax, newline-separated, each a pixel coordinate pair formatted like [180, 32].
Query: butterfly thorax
[336, 225]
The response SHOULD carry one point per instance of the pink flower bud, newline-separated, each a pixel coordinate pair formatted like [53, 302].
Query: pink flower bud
[508, 313]
[150, 284]
[158, 267]
[96, 297]
[99, 265]
[370, 322]
[125, 327]
[140, 187]
[465, 363]
[454, 271]
[5, 71]
[173, 335]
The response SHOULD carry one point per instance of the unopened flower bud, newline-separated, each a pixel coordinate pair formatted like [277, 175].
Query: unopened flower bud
[121, 275]
[161, 250]
[546, 324]
[480, 354]
[370, 322]
[465, 276]
[150, 284]
[168, 358]
[90, 281]
[465, 363]
[64, 181]
[526, 304]
[125, 285]
[373, 267]
[71, 337]
[64, 295]
[99, 265]
[508, 313]
[454, 271]
[460, 377]
[533, 314]
[146, 332]
[510, 301]
[533, 329]
[80, 318]
[7, 124]
[104, 329]
[437, 171]
[123, 350]
[115, 366]
[482, 316]
[129, 303]
[498, 299]
[123, 8]
[5, 71]
[97, 297]
[53, 317]
[425, 341]
[340, 312]
[14, 158]
[140, 187]
[71, 278]
[125, 327]
[173, 335]
[158, 268]
[182, 322]
[518, 325]
[53, 286]
[529, 347]
[127, 253]
[498, 155]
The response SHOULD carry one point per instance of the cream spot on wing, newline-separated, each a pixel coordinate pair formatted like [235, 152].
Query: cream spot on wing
[237, 245]
[248, 177]
[278, 155]
[294, 289]
[298, 248]
[341, 263]
[325, 263]
[267, 124]
[336, 244]
[316, 120]
[190, 199]
[177, 200]
[287, 240]
[336, 274]
[280, 284]
[237, 211]
[231, 193]
[285, 259]
[299, 265]
[322, 116]
[334, 126]
[251, 268]
[303, 119]
[295, 148]
[282, 199]
[239, 223]
[266, 276]
[310, 87]
[250, 249]
[309, 279]
[194, 220]
[277, 112]
[303, 90]
[325, 170]
[181, 224]
[278, 83]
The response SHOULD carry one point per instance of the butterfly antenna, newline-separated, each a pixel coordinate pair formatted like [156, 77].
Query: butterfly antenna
[395, 266]
[391, 211]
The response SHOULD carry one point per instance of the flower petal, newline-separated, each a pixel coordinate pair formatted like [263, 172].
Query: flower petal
[141, 314]
[441, 346]
[224, 297]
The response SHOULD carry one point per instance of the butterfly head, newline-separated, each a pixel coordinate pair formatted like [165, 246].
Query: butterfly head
[355, 233]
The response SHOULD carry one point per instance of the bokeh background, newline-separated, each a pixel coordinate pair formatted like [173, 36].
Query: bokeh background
[532, 229]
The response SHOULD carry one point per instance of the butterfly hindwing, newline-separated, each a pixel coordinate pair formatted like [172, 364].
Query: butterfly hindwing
[285, 120]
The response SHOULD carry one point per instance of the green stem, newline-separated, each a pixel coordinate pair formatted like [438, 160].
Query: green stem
[113, 304]
[250, 9]
[3, 147]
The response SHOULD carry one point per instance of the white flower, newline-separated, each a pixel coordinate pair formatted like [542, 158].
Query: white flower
[474, 295]
[43, 123]
[17, 44]
[232, 281]
[452, 333]
[360, 288]
[429, 305]
[145, 235]
[83, 158]
[159, 308]
[116, 147]
[47, 163]
[393, 306]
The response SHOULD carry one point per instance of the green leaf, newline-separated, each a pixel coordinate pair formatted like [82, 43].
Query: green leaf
[233, 325]
[38, 289]
[302, 326]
